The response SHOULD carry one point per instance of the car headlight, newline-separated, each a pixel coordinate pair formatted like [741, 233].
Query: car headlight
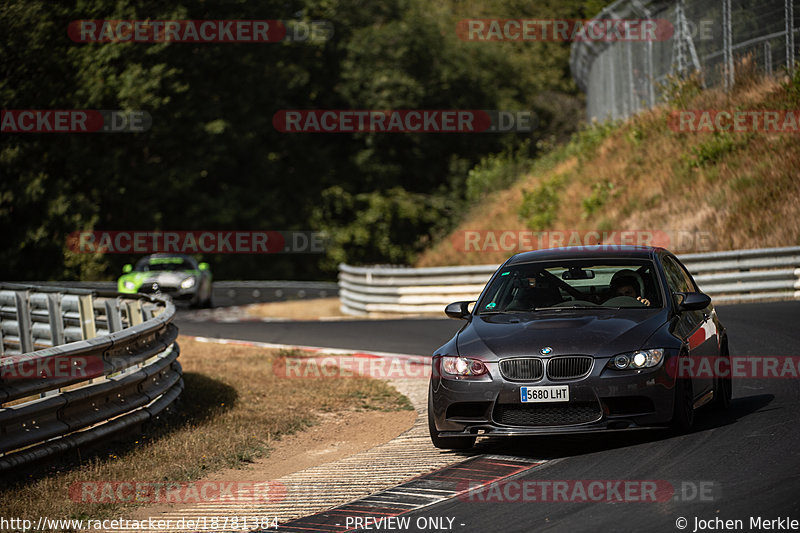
[188, 283]
[462, 366]
[637, 359]
[128, 284]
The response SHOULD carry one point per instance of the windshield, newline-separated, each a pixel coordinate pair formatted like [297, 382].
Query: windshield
[573, 284]
[164, 263]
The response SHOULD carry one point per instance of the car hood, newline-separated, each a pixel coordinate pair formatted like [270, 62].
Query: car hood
[602, 334]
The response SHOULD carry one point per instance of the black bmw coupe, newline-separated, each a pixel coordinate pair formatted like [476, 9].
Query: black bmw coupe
[576, 340]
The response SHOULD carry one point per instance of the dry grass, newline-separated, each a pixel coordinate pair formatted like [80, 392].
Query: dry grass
[743, 188]
[298, 309]
[234, 406]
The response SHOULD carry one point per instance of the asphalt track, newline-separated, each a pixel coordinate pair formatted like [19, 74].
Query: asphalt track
[746, 459]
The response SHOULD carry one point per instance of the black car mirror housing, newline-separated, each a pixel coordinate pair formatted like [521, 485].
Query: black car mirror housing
[457, 310]
[692, 301]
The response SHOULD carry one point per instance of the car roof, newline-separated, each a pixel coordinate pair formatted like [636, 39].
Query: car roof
[608, 251]
[165, 255]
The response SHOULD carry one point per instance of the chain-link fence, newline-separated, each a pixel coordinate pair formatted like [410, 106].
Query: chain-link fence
[716, 38]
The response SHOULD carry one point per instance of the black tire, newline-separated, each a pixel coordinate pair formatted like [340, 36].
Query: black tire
[723, 388]
[207, 304]
[683, 411]
[445, 443]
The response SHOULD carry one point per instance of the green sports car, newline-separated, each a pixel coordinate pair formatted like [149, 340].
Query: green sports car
[177, 275]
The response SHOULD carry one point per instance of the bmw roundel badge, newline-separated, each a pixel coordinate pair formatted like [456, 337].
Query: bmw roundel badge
[546, 350]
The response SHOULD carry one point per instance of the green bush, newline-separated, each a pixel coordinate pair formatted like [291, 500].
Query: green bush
[498, 171]
[540, 206]
[714, 148]
[601, 192]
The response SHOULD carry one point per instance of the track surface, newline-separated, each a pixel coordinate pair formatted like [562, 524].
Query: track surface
[749, 454]
[412, 336]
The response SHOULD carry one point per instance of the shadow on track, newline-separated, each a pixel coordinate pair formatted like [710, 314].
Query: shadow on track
[559, 446]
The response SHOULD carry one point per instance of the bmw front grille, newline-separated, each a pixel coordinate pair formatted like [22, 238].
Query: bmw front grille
[532, 368]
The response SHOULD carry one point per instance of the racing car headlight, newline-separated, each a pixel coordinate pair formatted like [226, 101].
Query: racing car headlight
[637, 359]
[188, 283]
[128, 284]
[462, 366]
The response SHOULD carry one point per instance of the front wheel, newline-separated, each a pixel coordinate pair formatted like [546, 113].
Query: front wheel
[683, 411]
[445, 443]
[723, 388]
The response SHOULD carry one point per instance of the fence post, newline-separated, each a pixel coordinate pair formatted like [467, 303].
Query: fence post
[789, 17]
[727, 44]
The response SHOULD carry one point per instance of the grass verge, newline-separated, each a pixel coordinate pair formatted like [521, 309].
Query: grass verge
[233, 407]
[707, 191]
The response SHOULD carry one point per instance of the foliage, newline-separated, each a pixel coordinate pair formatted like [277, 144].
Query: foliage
[714, 148]
[677, 90]
[540, 206]
[213, 160]
[497, 171]
[601, 191]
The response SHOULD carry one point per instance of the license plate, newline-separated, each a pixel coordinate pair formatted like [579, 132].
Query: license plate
[557, 393]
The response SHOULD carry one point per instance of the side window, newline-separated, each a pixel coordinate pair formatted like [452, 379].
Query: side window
[677, 278]
[686, 276]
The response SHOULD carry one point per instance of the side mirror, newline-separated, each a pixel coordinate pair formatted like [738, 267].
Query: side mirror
[127, 268]
[692, 301]
[202, 266]
[457, 310]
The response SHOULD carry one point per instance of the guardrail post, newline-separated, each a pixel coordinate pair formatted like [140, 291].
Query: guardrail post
[86, 312]
[24, 321]
[134, 311]
[56, 320]
[113, 316]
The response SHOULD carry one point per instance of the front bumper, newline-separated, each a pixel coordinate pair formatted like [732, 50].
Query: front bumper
[176, 293]
[604, 400]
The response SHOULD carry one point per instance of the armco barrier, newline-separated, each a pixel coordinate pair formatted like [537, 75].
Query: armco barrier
[736, 276]
[228, 293]
[78, 366]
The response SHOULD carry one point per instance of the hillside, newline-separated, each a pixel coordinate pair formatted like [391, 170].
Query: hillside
[693, 191]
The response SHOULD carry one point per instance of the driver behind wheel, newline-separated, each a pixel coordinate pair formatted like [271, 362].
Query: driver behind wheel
[625, 283]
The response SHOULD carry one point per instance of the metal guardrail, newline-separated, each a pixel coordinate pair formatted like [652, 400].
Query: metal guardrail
[78, 366]
[228, 293]
[736, 276]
